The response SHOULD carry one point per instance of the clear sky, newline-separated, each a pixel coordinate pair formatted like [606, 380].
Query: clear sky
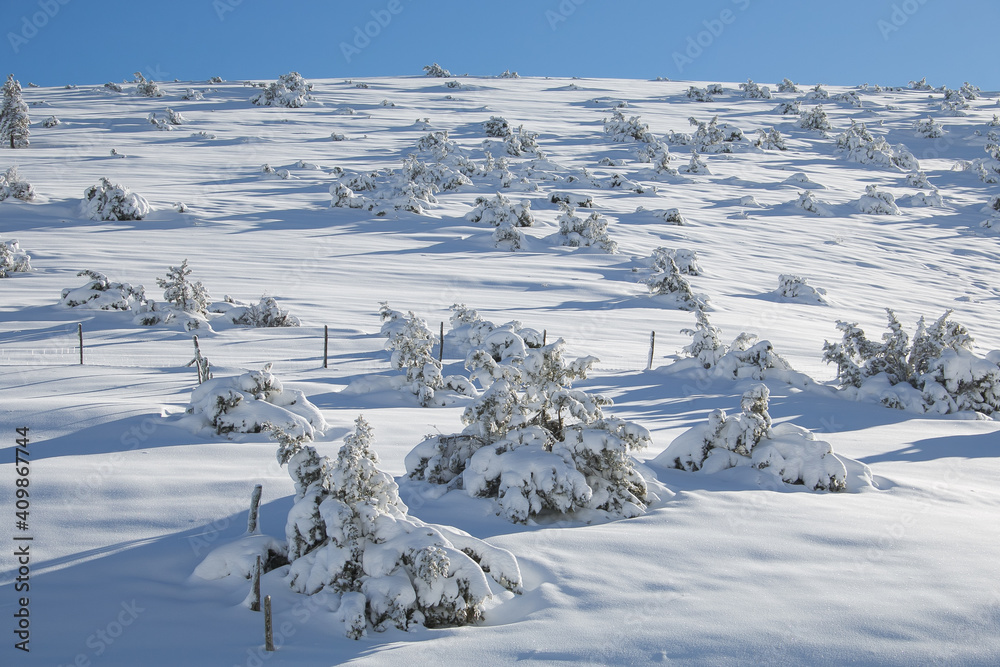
[837, 42]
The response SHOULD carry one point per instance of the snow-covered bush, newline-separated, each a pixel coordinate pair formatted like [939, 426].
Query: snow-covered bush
[796, 288]
[954, 103]
[685, 260]
[385, 191]
[248, 403]
[928, 128]
[710, 137]
[818, 93]
[522, 142]
[989, 168]
[850, 97]
[144, 88]
[112, 201]
[769, 139]
[501, 211]
[265, 313]
[349, 533]
[623, 129]
[936, 372]
[668, 281]
[932, 199]
[182, 293]
[879, 202]
[715, 89]
[51, 121]
[861, 146]
[100, 293]
[745, 357]
[921, 85]
[969, 91]
[790, 452]
[268, 170]
[791, 107]
[917, 179]
[698, 94]
[815, 119]
[14, 120]
[436, 70]
[12, 185]
[752, 91]
[497, 127]
[534, 444]
[788, 86]
[13, 259]
[807, 201]
[114, 87]
[696, 165]
[290, 90]
[586, 232]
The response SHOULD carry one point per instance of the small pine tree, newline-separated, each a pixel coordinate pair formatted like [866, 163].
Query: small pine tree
[14, 119]
[178, 289]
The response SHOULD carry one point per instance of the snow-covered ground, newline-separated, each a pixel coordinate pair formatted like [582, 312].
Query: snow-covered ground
[127, 498]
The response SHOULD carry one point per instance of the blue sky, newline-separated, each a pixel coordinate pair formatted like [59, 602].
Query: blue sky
[842, 42]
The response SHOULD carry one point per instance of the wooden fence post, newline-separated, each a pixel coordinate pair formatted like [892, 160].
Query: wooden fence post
[254, 506]
[441, 346]
[255, 587]
[326, 344]
[268, 633]
[652, 344]
[79, 331]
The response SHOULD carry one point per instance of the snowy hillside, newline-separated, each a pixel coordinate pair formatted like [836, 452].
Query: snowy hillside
[841, 508]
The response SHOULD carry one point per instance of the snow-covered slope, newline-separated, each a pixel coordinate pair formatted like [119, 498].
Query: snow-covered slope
[725, 569]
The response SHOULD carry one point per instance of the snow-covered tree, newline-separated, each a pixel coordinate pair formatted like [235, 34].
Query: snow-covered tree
[586, 232]
[14, 119]
[290, 90]
[13, 259]
[685, 260]
[796, 288]
[670, 282]
[807, 201]
[535, 444]
[698, 94]
[921, 85]
[144, 88]
[749, 439]
[818, 93]
[791, 107]
[181, 292]
[624, 129]
[788, 86]
[101, 293]
[435, 70]
[112, 201]
[745, 357]
[862, 146]
[753, 91]
[696, 165]
[12, 185]
[928, 128]
[880, 202]
[264, 313]
[500, 210]
[954, 103]
[349, 534]
[768, 139]
[815, 119]
[710, 137]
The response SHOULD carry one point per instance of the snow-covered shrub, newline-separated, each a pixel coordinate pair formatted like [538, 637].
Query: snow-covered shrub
[954, 103]
[937, 372]
[51, 121]
[521, 142]
[12, 185]
[192, 95]
[265, 313]
[385, 191]
[928, 128]
[185, 295]
[698, 94]
[668, 281]
[507, 74]
[879, 202]
[685, 260]
[796, 288]
[788, 86]
[861, 146]
[670, 215]
[290, 90]
[969, 91]
[412, 344]
[696, 165]
[790, 452]
[989, 168]
[818, 93]
[752, 91]
[500, 210]
[768, 139]
[932, 199]
[536, 445]
[791, 107]
[745, 357]
[850, 97]
[815, 119]
[435, 175]
[917, 179]
[586, 232]
[436, 70]
[144, 88]
[620, 128]
[807, 201]
[921, 85]
[248, 403]
[469, 331]
[114, 87]
[349, 533]
[13, 259]
[497, 127]
[268, 170]
[112, 201]
[100, 293]
[710, 137]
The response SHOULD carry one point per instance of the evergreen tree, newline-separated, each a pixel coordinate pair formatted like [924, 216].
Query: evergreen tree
[14, 115]
[178, 289]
